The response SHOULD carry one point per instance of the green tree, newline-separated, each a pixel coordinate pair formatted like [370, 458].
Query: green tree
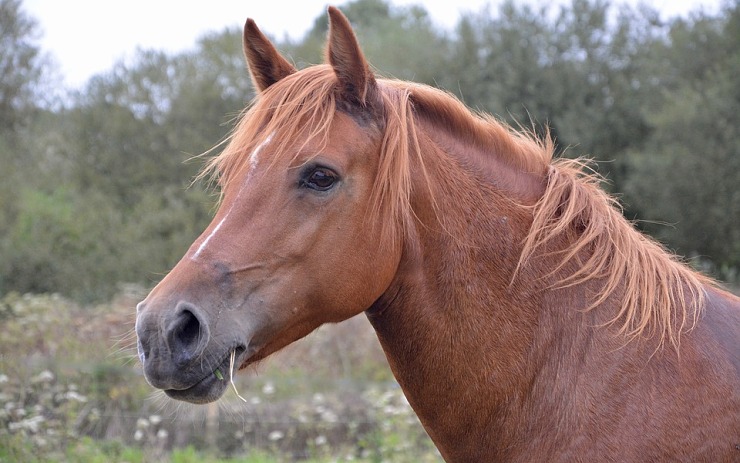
[688, 173]
[98, 192]
[132, 138]
[401, 42]
[111, 199]
[20, 65]
[577, 70]
[21, 68]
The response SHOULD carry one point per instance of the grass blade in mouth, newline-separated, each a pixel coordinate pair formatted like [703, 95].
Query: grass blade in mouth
[231, 376]
[219, 375]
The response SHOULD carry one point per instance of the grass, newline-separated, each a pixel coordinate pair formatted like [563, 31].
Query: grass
[72, 390]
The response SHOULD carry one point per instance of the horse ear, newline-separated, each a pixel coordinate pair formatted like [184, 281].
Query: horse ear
[266, 64]
[344, 54]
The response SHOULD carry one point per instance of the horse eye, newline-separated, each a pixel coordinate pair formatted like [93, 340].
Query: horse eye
[320, 179]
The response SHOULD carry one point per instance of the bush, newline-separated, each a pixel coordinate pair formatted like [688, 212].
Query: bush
[71, 389]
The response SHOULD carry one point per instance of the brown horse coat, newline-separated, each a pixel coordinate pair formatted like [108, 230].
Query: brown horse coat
[523, 316]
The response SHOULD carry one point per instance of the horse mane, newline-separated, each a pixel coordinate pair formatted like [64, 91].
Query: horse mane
[301, 101]
[659, 294]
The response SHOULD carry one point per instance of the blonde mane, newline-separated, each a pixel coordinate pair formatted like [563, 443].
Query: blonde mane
[659, 295]
[304, 100]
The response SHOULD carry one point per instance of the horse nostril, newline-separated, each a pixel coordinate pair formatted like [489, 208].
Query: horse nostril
[188, 329]
[186, 335]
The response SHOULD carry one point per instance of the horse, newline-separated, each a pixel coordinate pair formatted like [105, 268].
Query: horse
[523, 316]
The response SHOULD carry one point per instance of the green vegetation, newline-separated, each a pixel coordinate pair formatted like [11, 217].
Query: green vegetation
[71, 390]
[96, 186]
[96, 201]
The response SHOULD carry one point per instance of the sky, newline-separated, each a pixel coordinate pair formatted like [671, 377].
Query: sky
[87, 37]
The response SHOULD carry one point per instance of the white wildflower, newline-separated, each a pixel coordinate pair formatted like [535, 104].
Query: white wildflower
[31, 424]
[329, 416]
[44, 377]
[72, 395]
[268, 388]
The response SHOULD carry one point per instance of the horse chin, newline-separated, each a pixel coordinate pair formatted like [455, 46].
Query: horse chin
[213, 385]
[209, 389]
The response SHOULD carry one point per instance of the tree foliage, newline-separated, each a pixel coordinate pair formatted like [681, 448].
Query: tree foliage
[20, 64]
[98, 192]
[688, 174]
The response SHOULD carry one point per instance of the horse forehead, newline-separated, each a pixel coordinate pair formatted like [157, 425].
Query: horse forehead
[254, 160]
[214, 233]
[254, 156]
[282, 149]
[348, 131]
[343, 139]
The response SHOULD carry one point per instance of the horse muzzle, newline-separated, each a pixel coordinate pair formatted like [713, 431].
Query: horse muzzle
[180, 356]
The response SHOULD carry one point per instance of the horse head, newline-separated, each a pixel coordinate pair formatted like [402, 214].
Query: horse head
[295, 242]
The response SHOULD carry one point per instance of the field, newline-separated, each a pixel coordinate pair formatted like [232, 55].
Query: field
[71, 390]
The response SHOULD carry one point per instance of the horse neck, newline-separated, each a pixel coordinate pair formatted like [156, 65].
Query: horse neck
[455, 328]
[464, 337]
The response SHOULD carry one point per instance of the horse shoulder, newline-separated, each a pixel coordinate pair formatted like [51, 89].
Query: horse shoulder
[653, 404]
[722, 323]
[695, 390]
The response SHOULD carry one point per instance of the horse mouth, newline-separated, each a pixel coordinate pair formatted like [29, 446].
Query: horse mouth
[213, 385]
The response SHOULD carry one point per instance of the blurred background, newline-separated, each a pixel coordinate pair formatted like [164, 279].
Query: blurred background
[97, 202]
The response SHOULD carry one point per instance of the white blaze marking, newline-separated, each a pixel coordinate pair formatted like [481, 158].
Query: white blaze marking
[254, 157]
[208, 238]
[253, 161]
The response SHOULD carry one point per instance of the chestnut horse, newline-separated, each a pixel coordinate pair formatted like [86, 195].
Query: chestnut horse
[523, 316]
